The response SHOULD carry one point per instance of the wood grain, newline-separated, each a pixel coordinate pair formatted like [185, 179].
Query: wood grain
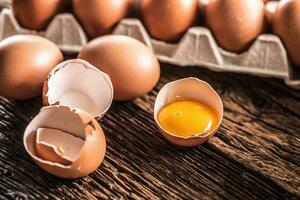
[254, 155]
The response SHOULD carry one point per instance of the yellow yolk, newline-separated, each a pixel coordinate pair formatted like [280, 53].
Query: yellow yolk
[186, 118]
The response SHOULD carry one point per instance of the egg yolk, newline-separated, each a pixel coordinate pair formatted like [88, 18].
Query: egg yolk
[186, 118]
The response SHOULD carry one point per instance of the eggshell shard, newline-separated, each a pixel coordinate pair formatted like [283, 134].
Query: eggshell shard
[99, 17]
[168, 20]
[57, 146]
[25, 61]
[78, 84]
[36, 14]
[235, 23]
[188, 89]
[65, 142]
[286, 24]
[131, 65]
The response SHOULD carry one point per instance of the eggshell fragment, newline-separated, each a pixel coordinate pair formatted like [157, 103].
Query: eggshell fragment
[65, 142]
[78, 84]
[188, 89]
[57, 146]
[36, 14]
[25, 61]
[286, 24]
[131, 65]
[168, 20]
[235, 23]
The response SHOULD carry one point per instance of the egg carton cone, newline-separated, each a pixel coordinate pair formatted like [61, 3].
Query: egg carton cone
[266, 57]
[64, 30]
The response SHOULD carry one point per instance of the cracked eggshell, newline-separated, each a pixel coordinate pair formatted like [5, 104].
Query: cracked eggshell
[78, 84]
[65, 142]
[188, 89]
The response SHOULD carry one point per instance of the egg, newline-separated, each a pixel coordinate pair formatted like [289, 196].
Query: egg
[65, 142]
[168, 20]
[235, 24]
[78, 84]
[99, 17]
[25, 61]
[286, 24]
[131, 65]
[36, 14]
[188, 111]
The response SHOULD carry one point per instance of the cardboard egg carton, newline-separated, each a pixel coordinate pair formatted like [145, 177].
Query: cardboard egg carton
[266, 57]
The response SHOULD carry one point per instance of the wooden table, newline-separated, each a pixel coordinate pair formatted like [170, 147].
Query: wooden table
[254, 155]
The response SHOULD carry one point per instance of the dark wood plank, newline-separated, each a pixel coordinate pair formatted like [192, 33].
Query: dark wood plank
[254, 155]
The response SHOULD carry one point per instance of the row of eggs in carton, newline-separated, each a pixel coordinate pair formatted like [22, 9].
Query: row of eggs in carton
[244, 39]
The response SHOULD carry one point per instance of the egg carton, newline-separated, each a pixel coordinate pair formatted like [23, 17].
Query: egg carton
[266, 57]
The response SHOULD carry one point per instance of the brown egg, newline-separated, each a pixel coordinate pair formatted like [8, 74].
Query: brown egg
[36, 14]
[168, 20]
[25, 61]
[99, 17]
[235, 23]
[132, 67]
[66, 142]
[286, 24]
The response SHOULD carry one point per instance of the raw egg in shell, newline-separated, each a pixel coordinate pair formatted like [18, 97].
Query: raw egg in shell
[188, 111]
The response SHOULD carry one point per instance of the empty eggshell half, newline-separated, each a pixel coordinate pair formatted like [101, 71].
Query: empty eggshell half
[65, 142]
[188, 89]
[78, 84]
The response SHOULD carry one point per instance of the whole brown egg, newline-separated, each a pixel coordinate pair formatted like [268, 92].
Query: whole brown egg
[235, 24]
[99, 17]
[131, 65]
[36, 14]
[25, 61]
[286, 24]
[168, 20]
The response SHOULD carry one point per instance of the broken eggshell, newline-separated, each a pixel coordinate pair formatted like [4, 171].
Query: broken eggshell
[78, 84]
[65, 142]
[188, 89]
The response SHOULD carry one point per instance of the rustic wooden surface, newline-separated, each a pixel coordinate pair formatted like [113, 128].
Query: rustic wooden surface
[254, 155]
